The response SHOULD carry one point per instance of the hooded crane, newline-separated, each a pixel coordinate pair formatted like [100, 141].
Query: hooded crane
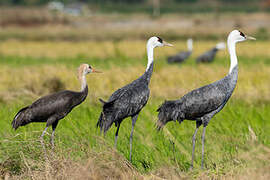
[209, 56]
[182, 56]
[53, 107]
[129, 100]
[202, 104]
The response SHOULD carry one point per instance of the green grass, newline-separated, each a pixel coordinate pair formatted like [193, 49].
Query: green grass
[228, 139]
[227, 136]
[16, 61]
[119, 60]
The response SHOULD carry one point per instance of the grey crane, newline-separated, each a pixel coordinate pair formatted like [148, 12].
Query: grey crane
[53, 107]
[182, 56]
[129, 100]
[202, 104]
[209, 56]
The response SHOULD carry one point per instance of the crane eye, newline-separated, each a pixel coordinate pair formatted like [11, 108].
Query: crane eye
[90, 67]
[242, 34]
[160, 40]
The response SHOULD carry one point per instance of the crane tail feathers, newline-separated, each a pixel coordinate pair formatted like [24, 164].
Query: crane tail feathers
[99, 123]
[104, 123]
[107, 116]
[168, 111]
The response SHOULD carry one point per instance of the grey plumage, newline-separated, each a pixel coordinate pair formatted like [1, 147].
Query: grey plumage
[180, 57]
[203, 103]
[200, 104]
[125, 102]
[129, 100]
[208, 56]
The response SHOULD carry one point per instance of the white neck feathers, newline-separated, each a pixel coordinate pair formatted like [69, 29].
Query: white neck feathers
[83, 82]
[232, 52]
[150, 55]
[82, 79]
[190, 45]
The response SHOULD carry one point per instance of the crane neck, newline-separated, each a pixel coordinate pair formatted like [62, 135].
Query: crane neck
[232, 52]
[190, 45]
[83, 82]
[150, 55]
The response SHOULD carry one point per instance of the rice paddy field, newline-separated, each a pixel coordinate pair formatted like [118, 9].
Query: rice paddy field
[237, 142]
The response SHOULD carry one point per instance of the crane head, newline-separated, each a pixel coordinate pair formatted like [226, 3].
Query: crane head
[86, 69]
[156, 41]
[92, 70]
[238, 36]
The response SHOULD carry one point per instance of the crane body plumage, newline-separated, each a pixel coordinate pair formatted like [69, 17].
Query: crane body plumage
[129, 100]
[182, 56]
[54, 107]
[202, 104]
[209, 56]
[126, 101]
[50, 108]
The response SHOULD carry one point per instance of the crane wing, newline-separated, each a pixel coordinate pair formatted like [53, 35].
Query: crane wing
[57, 103]
[130, 99]
[203, 100]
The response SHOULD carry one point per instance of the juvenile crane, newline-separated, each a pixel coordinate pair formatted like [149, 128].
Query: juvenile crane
[209, 56]
[202, 104]
[129, 100]
[53, 107]
[182, 56]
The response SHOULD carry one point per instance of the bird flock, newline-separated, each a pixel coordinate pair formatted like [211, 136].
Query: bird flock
[206, 57]
[199, 105]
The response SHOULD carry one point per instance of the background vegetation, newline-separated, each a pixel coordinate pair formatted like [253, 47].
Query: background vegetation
[40, 51]
[166, 6]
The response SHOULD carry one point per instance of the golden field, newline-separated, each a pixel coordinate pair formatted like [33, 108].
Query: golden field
[39, 59]
[169, 81]
[130, 48]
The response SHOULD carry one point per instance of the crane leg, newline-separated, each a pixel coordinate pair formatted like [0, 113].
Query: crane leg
[52, 136]
[203, 135]
[43, 133]
[193, 147]
[198, 124]
[116, 135]
[134, 119]
[41, 137]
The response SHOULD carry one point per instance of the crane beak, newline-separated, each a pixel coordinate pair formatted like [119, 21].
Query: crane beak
[250, 38]
[96, 71]
[167, 44]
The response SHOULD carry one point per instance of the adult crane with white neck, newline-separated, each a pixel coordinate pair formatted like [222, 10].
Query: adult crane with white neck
[202, 104]
[129, 100]
[53, 107]
[182, 56]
